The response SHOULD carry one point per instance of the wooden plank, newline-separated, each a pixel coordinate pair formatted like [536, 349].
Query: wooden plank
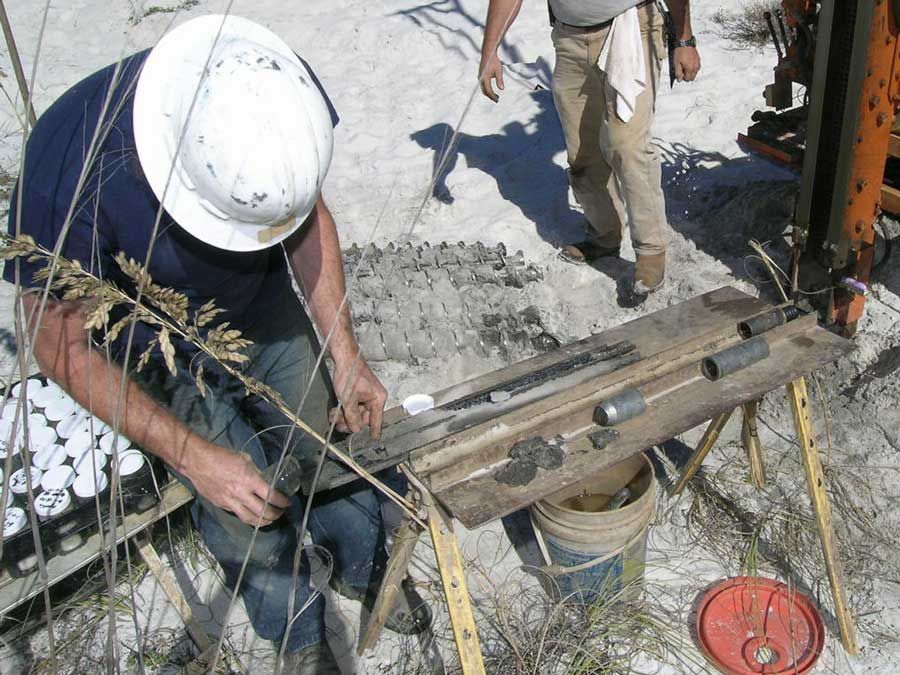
[809, 449]
[396, 571]
[15, 591]
[894, 145]
[566, 412]
[669, 340]
[453, 578]
[702, 320]
[710, 436]
[170, 586]
[890, 199]
[796, 348]
[753, 446]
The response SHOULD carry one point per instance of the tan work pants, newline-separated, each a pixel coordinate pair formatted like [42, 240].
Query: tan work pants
[614, 167]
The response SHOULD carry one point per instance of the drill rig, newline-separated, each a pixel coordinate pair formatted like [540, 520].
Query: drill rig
[845, 54]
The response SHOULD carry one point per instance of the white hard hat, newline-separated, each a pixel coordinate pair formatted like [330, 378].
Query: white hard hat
[232, 132]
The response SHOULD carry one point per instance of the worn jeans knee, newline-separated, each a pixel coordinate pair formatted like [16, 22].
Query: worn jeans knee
[229, 539]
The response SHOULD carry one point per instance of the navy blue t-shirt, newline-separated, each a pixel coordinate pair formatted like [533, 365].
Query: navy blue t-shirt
[116, 209]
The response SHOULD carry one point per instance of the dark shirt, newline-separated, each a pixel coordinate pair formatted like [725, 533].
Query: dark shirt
[115, 209]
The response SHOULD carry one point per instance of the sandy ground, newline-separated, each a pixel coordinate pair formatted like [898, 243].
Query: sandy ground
[401, 74]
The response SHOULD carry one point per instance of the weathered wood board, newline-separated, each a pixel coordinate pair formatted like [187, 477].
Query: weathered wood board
[657, 342]
[796, 349]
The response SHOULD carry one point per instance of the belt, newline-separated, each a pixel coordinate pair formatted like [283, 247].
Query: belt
[598, 26]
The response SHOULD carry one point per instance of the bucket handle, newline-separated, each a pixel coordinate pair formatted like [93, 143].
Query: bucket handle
[555, 570]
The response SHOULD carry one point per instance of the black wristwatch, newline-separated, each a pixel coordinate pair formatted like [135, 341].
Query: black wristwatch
[690, 42]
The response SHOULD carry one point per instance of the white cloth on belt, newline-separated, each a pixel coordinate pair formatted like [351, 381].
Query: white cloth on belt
[622, 59]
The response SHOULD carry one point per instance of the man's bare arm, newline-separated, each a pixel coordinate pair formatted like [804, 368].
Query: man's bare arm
[500, 16]
[687, 59]
[228, 479]
[315, 255]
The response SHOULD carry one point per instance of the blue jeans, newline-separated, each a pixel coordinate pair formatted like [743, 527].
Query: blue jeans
[346, 521]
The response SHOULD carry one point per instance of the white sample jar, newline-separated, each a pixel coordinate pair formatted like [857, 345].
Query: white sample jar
[52, 502]
[79, 443]
[58, 478]
[71, 425]
[18, 482]
[91, 461]
[110, 440]
[60, 408]
[14, 522]
[86, 486]
[49, 456]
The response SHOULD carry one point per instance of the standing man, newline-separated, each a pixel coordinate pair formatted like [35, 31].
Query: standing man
[614, 168]
[204, 158]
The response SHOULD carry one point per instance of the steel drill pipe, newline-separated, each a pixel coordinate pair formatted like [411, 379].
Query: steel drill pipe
[735, 358]
[767, 320]
[620, 408]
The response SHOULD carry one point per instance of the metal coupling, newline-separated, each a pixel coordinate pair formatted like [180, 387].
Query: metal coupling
[767, 320]
[620, 408]
[735, 358]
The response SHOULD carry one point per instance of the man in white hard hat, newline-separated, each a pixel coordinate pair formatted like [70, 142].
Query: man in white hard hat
[205, 158]
[605, 81]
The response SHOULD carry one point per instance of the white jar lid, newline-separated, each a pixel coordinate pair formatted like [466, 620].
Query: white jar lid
[14, 522]
[41, 437]
[417, 403]
[58, 478]
[121, 443]
[69, 426]
[93, 457]
[48, 395]
[87, 485]
[130, 462]
[51, 502]
[49, 456]
[60, 408]
[98, 426]
[18, 483]
[36, 419]
[5, 431]
[79, 442]
[34, 386]
[9, 410]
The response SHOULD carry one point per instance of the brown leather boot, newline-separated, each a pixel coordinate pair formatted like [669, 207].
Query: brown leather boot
[649, 273]
[586, 252]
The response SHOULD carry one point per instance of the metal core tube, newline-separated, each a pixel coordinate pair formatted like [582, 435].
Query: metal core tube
[620, 408]
[735, 358]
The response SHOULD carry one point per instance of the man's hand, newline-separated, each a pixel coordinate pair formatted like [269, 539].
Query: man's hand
[687, 63]
[362, 400]
[231, 481]
[491, 69]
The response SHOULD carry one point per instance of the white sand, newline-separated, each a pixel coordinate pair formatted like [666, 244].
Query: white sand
[398, 74]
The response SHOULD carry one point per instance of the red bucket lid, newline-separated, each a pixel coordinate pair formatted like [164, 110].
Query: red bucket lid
[750, 625]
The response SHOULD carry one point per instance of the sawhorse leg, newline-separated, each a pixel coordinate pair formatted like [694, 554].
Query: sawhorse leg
[753, 446]
[810, 451]
[710, 436]
[453, 577]
[401, 553]
[170, 587]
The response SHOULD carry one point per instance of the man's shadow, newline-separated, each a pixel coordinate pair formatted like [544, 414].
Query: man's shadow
[520, 159]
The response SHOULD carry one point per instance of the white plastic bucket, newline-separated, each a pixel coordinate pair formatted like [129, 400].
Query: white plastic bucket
[593, 554]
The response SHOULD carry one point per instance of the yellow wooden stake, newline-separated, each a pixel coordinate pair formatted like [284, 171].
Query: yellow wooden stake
[753, 446]
[809, 449]
[710, 436]
[453, 576]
